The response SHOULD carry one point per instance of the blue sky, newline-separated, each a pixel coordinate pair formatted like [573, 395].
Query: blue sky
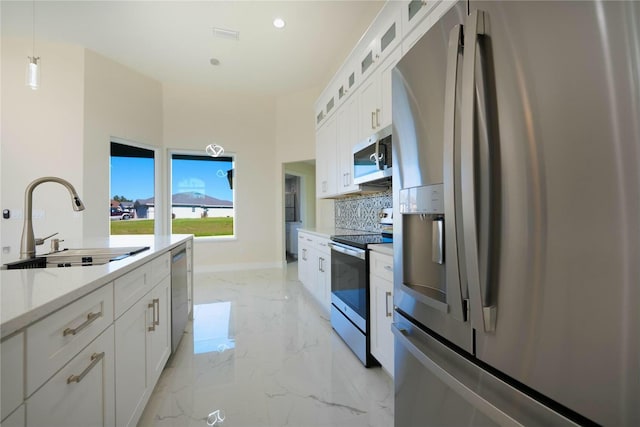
[133, 178]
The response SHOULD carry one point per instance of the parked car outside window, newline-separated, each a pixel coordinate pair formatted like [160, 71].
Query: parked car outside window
[119, 213]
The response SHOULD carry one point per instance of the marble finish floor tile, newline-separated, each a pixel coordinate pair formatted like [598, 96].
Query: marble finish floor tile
[261, 352]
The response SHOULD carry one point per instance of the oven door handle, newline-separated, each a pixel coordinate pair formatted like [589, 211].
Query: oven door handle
[354, 252]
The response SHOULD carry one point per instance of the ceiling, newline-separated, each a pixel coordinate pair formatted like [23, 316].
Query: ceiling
[173, 41]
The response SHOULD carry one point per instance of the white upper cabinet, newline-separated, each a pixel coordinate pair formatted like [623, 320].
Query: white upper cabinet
[347, 124]
[326, 165]
[357, 102]
[413, 18]
[384, 35]
[375, 98]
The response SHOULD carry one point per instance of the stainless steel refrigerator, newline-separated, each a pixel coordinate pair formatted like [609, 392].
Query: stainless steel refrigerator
[516, 190]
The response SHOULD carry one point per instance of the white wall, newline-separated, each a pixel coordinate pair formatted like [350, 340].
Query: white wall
[246, 127]
[64, 129]
[42, 134]
[119, 102]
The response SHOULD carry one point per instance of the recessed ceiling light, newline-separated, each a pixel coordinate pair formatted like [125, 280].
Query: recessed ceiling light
[279, 23]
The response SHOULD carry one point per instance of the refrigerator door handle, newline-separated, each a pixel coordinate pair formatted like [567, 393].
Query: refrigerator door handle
[483, 317]
[412, 344]
[455, 295]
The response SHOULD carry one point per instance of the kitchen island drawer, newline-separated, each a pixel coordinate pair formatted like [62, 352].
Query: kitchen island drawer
[159, 268]
[128, 289]
[54, 340]
[82, 392]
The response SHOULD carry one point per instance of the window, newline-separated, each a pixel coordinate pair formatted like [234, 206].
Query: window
[132, 190]
[202, 195]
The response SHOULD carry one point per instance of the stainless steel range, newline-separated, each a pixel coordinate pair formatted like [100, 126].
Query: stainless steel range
[350, 291]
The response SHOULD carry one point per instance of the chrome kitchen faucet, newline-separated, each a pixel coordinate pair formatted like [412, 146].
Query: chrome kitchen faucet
[28, 242]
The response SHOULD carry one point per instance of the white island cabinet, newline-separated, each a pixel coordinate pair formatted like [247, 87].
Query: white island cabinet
[87, 343]
[142, 338]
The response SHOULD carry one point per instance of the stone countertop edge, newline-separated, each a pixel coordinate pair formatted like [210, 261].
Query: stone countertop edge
[383, 248]
[27, 296]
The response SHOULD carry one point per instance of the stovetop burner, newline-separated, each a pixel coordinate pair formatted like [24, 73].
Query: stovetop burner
[361, 240]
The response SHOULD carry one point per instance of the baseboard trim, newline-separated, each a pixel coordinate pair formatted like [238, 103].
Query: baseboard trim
[238, 267]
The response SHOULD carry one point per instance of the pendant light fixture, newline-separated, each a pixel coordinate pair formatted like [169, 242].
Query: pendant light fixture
[33, 67]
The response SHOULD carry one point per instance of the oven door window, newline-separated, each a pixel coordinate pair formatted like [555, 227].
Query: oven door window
[349, 281]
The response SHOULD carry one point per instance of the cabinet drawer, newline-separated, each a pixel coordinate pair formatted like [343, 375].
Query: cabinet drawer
[54, 340]
[130, 288]
[81, 393]
[159, 268]
[322, 245]
[381, 265]
[11, 371]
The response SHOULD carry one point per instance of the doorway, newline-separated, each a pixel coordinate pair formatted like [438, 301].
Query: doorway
[299, 203]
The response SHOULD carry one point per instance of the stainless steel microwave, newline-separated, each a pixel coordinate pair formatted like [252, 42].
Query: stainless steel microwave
[372, 158]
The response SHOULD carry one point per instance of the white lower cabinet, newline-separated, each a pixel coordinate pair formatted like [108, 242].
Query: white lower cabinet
[80, 367]
[16, 419]
[81, 393]
[11, 375]
[381, 308]
[314, 267]
[142, 347]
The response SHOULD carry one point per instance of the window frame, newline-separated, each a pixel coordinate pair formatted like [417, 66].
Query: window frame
[199, 153]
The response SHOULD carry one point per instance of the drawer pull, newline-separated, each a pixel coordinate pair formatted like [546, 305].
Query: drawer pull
[156, 301]
[388, 268]
[95, 358]
[156, 314]
[90, 318]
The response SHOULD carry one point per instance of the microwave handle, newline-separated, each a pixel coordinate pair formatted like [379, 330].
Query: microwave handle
[377, 157]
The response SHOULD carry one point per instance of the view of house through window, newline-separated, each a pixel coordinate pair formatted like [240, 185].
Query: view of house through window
[202, 195]
[132, 190]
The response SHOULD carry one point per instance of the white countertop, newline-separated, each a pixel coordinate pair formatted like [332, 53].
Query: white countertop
[383, 248]
[29, 295]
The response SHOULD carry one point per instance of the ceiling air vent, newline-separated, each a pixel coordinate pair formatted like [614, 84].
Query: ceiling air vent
[226, 34]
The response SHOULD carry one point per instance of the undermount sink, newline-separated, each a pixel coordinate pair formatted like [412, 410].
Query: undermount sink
[77, 257]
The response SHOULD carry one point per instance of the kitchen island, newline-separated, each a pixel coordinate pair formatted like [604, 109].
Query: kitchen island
[87, 344]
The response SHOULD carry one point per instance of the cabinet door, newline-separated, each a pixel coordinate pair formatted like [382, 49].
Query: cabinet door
[131, 364]
[326, 169]
[159, 338]
[381, 306]
[11, 374]
[385, 86]
[347, 122]
[81, 393]
[324, 281]
[369, 108]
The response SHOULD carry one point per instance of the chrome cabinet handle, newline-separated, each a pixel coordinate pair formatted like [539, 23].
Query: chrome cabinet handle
[452, 266]
[388, 268]
[91, 317]
[373, 116]
[155, 314]
[156, 301]
[95, 359]
[483, 317]
[378, 117]
[386, 303]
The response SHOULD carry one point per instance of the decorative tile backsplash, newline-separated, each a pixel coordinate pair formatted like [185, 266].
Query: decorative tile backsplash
[361, 212]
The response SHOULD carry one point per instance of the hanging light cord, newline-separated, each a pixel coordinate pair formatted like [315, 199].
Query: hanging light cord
[33, 36]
